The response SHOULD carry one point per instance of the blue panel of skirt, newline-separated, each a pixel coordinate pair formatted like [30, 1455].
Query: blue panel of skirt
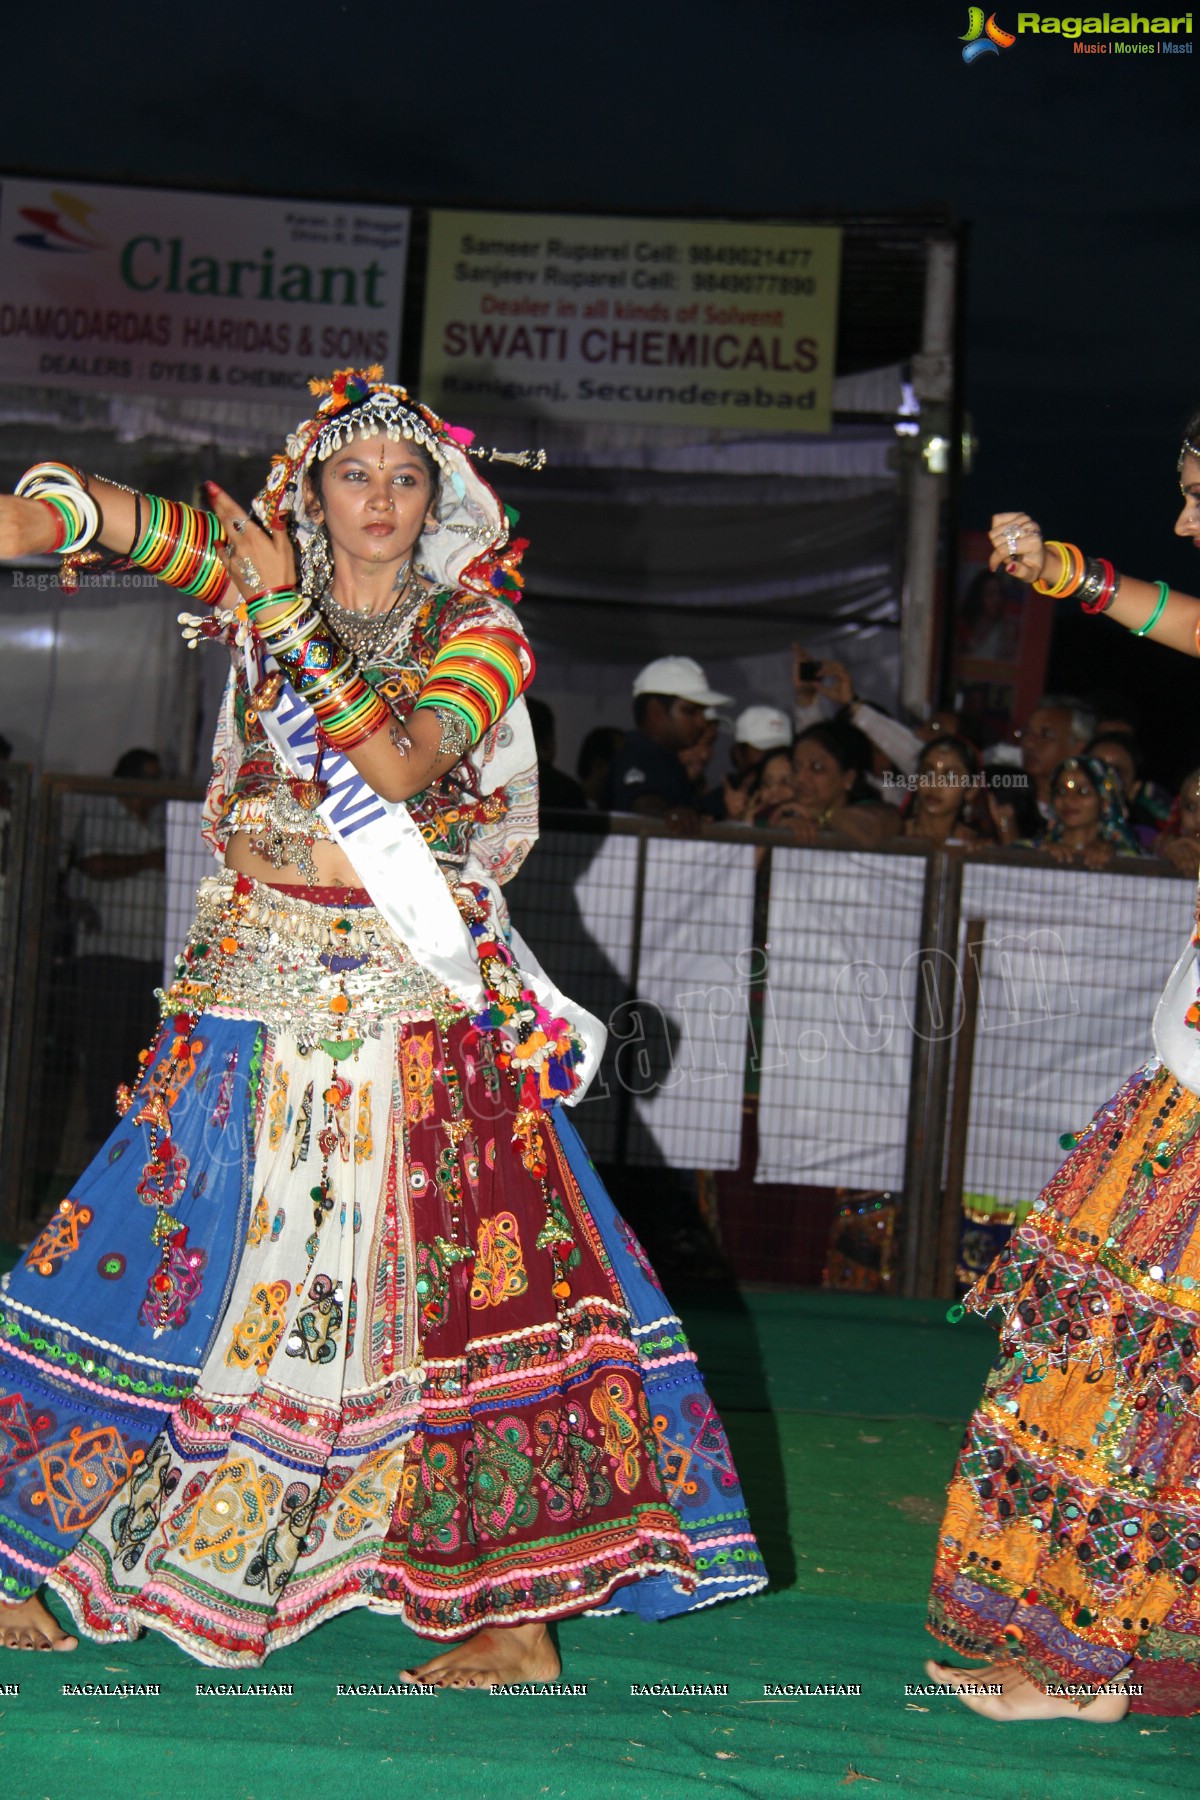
[694, 1455]
[103, 1329]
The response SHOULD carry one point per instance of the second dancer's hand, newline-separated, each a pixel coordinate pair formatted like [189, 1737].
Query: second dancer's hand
[27, 528]
[1017, 546]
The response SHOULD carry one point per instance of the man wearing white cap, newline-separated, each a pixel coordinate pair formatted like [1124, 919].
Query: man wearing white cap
[671, 697]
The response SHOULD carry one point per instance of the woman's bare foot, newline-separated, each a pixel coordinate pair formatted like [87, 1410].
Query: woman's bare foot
[499, 1653]
[1020, 1698]
[30, 1626]
[987, 1675]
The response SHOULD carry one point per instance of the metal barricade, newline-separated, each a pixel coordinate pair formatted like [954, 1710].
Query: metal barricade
[1056, 975]
[90, 868]
[791, 1030]
[15, 790]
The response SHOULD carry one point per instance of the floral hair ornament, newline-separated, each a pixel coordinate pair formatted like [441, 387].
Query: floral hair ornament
[471, 547]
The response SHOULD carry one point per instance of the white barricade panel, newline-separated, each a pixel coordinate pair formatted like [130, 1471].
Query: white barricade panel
[843, 933]
[1072, 965]
[685, 1053]
[189, 860]
[573, 903]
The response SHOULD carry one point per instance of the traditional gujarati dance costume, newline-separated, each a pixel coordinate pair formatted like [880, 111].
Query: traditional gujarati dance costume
[1071, 1542]
[341, 1315]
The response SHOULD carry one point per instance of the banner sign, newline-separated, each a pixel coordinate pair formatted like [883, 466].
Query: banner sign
[643, 321]
[139, 290]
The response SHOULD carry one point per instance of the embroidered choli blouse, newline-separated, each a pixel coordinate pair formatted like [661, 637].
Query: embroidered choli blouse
[484, 809]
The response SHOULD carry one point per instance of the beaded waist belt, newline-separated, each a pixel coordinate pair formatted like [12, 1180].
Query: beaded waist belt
[328, 972]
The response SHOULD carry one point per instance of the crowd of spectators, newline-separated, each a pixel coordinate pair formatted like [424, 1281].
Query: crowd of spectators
[1072, 782]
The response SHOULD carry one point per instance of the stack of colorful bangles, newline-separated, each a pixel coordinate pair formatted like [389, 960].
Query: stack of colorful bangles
[347, 708]
[60, 489]
[474, 678]
[1094, 582]
[181, 545]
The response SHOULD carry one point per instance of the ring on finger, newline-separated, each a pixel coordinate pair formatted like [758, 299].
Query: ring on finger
[239, 525]
[1010, 538]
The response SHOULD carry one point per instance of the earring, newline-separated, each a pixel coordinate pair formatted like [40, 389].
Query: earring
[432, 524]
[316, 564]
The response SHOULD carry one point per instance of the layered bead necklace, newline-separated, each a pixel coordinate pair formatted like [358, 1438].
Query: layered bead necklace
[368, 635]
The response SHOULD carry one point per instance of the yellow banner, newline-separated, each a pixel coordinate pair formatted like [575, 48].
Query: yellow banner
[643, 321]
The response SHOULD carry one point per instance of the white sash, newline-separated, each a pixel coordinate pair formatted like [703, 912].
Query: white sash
[1177, 1043]
[401, 874]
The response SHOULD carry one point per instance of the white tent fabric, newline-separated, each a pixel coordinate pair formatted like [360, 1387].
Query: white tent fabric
[262, 424]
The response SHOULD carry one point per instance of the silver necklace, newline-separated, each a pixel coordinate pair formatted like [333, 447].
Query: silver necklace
[367, 635]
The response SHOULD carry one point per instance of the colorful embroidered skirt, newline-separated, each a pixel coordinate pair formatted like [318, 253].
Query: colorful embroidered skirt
[1071, 1542]
[327, 1324]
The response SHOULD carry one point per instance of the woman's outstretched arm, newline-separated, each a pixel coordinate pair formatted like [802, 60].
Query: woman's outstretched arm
[1019, 549]
[28, 527]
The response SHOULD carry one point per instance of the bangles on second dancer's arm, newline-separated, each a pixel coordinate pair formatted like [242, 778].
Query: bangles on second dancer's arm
[1095, 583]
[1091, 580]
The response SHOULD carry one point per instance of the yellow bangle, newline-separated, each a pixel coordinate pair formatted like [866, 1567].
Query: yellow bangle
[1070, 576]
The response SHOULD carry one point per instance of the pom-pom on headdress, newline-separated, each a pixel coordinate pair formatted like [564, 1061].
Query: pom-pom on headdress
[471, 548]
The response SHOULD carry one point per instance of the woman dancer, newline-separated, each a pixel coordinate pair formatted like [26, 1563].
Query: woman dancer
[341, 1316]
[1070, 1549]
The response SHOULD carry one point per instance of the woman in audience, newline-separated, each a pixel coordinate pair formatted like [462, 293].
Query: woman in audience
[1121, 751]
[944, 797]
[1179, 840]
[1090, 823]
[829, 778]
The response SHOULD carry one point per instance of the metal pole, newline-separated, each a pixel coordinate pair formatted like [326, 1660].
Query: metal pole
[933, 383]
[624, 1092]
[933, 1034]
[960, 1113]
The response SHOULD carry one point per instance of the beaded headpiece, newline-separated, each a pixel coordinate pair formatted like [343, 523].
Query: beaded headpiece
[1188, 449]
[471, 547]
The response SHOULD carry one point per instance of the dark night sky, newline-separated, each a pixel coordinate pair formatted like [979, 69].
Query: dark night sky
[1078, 176]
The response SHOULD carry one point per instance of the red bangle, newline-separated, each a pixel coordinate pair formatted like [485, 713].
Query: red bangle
[1104, 598]
[60, 525]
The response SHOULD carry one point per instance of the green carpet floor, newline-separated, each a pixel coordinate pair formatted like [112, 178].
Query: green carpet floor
[845, 1415]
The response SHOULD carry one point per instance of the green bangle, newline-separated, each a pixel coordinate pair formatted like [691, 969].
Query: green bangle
[1156, 615]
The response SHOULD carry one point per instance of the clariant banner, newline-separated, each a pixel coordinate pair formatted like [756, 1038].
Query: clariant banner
[121, 289]
[646, 321]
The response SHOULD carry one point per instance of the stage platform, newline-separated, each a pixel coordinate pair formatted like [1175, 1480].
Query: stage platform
[845, 1413]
